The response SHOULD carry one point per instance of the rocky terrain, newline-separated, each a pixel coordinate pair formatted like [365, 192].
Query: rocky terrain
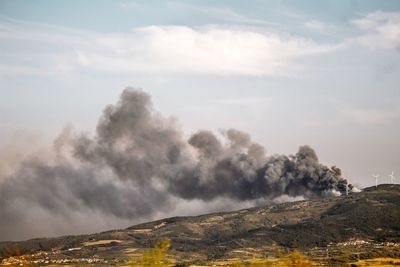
[330, 230]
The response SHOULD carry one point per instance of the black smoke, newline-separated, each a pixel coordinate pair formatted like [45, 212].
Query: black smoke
[138, 163]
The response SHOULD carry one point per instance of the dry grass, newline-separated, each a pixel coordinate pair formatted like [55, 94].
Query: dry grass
[157, 257]
[100, 242]
[378, 262]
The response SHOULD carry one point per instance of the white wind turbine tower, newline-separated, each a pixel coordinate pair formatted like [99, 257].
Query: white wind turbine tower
[391, 177]
[376, 176]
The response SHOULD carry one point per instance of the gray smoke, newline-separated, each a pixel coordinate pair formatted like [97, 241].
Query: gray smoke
[139, 164]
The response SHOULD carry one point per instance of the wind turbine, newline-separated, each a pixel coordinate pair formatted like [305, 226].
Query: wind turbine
[376, 176]
[391, 177]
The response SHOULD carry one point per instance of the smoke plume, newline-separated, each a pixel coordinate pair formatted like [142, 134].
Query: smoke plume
[138, 165]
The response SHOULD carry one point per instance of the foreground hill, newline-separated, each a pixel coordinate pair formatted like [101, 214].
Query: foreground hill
[335, 229]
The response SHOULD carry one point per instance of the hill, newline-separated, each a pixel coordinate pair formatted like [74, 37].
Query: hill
[335, 229]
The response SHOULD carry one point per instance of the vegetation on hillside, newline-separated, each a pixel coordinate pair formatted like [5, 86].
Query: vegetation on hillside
[154, 257]
[338, 231]
[157, 257]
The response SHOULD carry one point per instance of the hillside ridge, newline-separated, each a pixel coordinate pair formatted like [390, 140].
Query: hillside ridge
[373, 216]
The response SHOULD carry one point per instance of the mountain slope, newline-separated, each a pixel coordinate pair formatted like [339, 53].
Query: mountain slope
[372, 215]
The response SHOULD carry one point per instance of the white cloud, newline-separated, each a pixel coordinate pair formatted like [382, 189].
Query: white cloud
[373, 117]
[169, 49]
[381, 30]
[315, 25]
[210, 49]
[375, 19]
[322, 28]
[219, 13]
[204, 50]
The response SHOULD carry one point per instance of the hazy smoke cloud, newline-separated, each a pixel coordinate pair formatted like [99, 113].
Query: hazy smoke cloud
[139, 164]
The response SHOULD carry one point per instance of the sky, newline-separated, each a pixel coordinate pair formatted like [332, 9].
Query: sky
[289, 73]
